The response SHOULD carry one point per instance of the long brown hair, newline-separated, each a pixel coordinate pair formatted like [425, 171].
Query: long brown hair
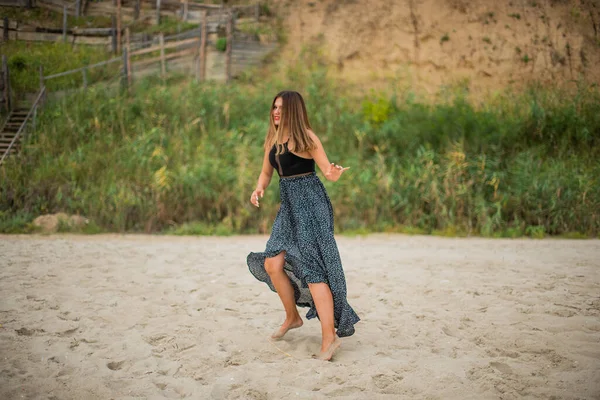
[293, 122]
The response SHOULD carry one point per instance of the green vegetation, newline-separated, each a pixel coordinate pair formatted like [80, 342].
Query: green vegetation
[270, 31]
[17, 222]
[221, 44]
[183, 158]
[444, 38]
[489, 16]
[25, 59]
[41, 17]
[167, 26]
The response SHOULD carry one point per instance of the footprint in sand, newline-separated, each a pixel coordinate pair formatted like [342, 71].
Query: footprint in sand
[255, 395]
[497, 352]
[387, 382]
[235, 360]
[67, 332]
[449, 332]
[115, 365]
[28, 332]
[503, 368]
[565, 313]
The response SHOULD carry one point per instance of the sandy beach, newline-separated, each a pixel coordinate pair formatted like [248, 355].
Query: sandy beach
[153, 317]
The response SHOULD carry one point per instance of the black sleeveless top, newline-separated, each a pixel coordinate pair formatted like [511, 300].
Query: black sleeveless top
[289, 164]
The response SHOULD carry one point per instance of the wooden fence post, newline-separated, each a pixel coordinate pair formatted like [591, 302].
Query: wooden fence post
[114, 34]
[5, 29]
[157, 12]
[78, 8]
[163, 65]
[185, 10]
[128, 48]
[202, 59]
[65, 24]
[228, 48]
[221, 13]
[118, 26]
[125, 68]
[6, 77]
[85, 81]
[41, 77]
[136, 10]
[42, 84]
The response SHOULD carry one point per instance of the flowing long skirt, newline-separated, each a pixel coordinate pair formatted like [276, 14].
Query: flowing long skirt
[303, 229]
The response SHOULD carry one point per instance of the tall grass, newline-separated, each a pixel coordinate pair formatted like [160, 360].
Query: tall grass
[26, 58]
[184, 157]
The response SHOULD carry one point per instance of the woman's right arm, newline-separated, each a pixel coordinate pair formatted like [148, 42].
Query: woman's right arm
[263, 180]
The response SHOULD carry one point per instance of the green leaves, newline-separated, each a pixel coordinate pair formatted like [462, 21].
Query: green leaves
[188, 155]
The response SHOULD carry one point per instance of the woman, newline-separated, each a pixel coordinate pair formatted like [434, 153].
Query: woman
[301, 262]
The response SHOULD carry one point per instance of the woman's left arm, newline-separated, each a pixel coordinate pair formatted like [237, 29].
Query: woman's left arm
[331, 171]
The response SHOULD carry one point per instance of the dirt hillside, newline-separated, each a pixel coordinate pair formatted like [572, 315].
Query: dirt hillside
[430, 43]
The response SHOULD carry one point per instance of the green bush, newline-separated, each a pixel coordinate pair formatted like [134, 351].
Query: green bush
[221, 44]
[25, 60]
[184, 157]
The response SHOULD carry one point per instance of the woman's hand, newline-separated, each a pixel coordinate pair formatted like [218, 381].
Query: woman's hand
[255, 195]
[335, 171]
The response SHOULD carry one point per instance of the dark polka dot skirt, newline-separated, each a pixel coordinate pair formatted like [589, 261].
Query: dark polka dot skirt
[303, 228]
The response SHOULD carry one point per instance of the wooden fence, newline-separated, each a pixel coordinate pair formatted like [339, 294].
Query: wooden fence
[186, 10]
[72, 7]
[14, 30]
[17, 3]
[190, 53]
[103, 37]
[5, 85]
[110, 38]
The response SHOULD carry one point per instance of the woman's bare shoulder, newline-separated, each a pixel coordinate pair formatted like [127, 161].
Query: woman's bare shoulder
[312, 135]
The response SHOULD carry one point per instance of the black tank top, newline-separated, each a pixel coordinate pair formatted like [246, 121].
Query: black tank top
[289, 164]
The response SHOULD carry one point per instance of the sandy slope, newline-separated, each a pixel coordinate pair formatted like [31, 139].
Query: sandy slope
[154, 317]
[425, 44]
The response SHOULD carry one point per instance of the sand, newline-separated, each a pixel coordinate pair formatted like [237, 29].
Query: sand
[424, 45]
[152, 317]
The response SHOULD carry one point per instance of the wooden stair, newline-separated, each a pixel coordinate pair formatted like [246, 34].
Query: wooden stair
[13, 123]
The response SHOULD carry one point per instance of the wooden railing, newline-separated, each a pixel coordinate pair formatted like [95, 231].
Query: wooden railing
[6, 91]
[142, 55]
[109, 38]
[83, 70]
[30, 115]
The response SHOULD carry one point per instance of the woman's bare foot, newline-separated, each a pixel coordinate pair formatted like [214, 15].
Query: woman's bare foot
[286, 326]
[329, 348]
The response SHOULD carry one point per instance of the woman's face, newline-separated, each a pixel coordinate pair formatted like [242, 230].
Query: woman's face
[277, 110]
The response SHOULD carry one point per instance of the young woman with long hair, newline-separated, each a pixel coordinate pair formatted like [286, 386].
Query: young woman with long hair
[301, 261]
